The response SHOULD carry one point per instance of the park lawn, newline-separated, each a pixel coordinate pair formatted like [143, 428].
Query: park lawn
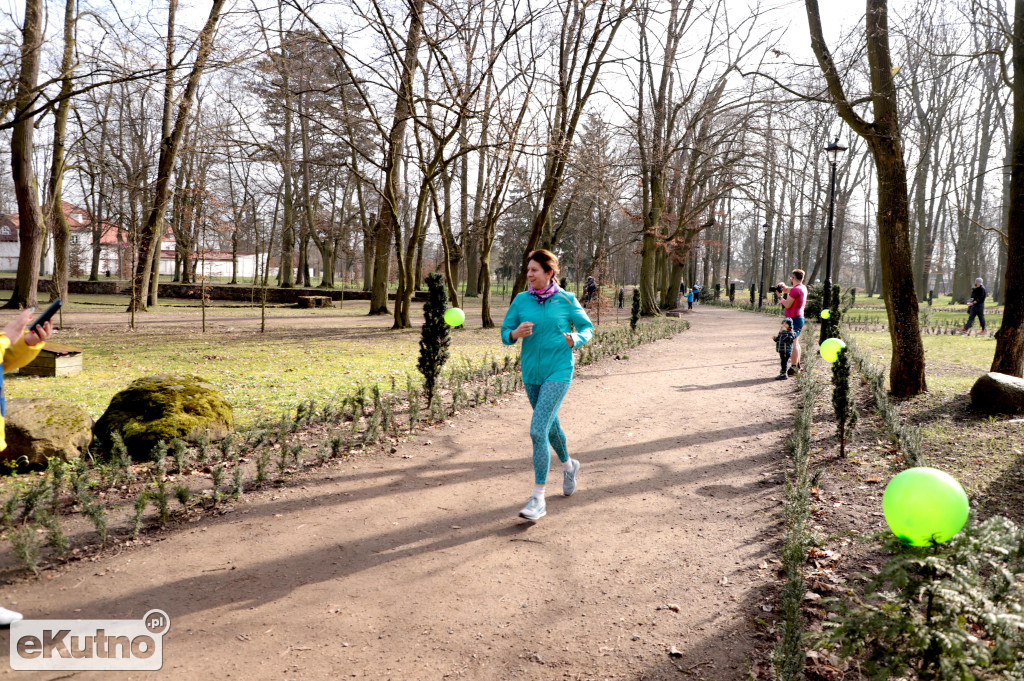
[942, 313]
[260, 375]
[983, 452]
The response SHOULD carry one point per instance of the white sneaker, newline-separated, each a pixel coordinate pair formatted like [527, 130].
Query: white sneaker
[9, 616]
[569, 478]
[534, 509]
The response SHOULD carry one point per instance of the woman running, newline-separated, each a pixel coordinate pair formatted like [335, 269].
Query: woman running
[544, 316]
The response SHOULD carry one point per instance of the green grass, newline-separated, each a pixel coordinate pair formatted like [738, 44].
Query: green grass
[951, 362]
[943, 312]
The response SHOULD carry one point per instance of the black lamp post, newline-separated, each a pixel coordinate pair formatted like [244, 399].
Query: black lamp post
[834, 151]
[764, 257]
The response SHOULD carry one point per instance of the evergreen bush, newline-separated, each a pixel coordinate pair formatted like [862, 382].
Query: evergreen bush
[949, 612]
[843, 400]
[435, 336]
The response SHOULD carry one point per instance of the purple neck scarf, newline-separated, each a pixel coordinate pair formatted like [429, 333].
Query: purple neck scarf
[543, 294]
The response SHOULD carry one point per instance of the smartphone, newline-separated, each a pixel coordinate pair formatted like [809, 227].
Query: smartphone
[47, 314]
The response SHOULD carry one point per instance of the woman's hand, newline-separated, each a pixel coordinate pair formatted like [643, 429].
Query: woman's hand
[16, 326]
[568, 338]
[39, 334]
[523, 330]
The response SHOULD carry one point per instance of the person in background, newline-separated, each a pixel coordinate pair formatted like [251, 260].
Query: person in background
[793, 308]
[589, 290]
[689, 299]
[18, 347]
[784, 340]
[551, 323]
[976, 306]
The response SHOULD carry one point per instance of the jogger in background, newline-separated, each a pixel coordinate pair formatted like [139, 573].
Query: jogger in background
[551, 323]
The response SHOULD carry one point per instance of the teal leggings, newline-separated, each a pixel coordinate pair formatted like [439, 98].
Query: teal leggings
[544, 427]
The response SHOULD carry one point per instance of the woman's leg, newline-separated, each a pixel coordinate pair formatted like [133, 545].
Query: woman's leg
[544, 428]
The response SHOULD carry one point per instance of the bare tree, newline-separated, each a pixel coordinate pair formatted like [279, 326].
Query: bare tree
[168, 150]
[906, 375]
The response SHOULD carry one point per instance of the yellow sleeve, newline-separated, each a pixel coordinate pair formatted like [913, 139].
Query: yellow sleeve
[19, 354]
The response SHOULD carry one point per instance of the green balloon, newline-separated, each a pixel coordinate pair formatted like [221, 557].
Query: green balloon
[923, 505]
[825, 314]
[830, 348]
[454, 316]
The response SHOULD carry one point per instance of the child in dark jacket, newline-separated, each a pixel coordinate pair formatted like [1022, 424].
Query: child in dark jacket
[784, 346]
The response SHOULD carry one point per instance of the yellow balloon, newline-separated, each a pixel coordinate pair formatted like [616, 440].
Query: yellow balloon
[830, 348]
[454, 316]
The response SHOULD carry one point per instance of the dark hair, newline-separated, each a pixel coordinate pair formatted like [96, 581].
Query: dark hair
[546, 259]
[799, 274]
[788, 323]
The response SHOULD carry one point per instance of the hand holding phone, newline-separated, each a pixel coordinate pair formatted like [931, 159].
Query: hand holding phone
[46, 315]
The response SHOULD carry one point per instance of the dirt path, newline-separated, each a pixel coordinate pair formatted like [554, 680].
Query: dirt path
[415, 566]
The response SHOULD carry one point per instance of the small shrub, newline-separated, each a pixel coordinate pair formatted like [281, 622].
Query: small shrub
[227, 447]
[237, 481]
[282, 459]
[217, 478]
[26, 543]
[33, 497]
[435, 335]
[159, 493]
[80, 482]
[141, 502]
[179, 452]
[182, 493]
[9, 508]
[55, 536]
[337, 445]
[202, 439]
[121, 462]
[262, 461]
[843, 400]
[57, 470]
[943, 613]
[98, 517]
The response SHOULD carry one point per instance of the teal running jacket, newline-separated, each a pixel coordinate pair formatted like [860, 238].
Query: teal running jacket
[545, 355]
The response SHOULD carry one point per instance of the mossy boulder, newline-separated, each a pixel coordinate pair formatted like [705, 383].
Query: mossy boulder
[39, 429]
[996, 393]
[163, 407]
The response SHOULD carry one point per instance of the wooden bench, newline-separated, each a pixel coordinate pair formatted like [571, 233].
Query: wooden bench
[315, 301]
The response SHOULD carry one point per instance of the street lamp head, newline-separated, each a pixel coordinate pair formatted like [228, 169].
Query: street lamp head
[835, 151]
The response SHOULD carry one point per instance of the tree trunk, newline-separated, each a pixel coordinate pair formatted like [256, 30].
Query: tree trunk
[1009, 357]
[58, 220]
[30, 216]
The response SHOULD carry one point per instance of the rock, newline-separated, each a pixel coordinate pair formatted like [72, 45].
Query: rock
[996, 393]
[163, 407]
[38, 429]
